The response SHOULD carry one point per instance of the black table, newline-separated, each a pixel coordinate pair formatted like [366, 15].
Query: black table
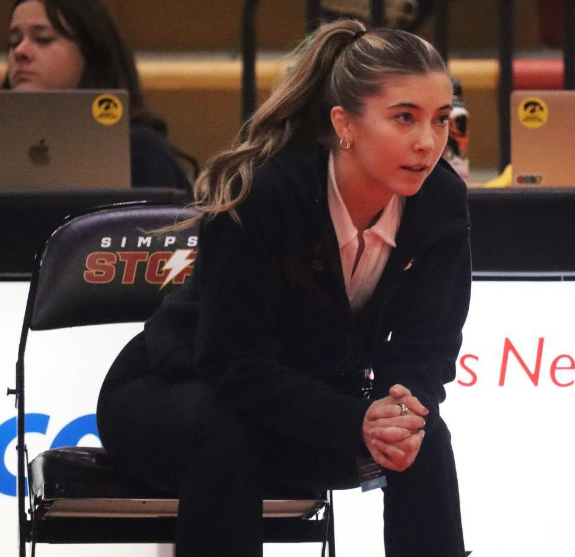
[27, 218]
[514, 232]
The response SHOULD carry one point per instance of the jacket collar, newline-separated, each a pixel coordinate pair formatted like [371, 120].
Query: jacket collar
[438, 208]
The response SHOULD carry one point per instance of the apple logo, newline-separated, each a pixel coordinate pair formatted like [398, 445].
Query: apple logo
[39, 153]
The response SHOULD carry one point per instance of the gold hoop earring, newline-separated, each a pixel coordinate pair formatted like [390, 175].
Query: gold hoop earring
[345, 147]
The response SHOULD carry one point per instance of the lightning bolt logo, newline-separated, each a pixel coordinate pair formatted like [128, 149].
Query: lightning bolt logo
[180, 259]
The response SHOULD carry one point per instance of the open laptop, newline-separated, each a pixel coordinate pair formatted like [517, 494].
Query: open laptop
[65, 139]
[543, 138]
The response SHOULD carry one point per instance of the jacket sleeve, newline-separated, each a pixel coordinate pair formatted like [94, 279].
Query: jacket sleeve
[242, 292]
[427, 320]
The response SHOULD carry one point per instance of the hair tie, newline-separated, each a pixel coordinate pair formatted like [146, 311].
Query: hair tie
[358, 35]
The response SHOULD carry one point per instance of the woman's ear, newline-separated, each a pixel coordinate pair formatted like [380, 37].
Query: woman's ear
[340, 123]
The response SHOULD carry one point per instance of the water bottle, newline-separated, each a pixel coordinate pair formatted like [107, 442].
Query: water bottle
[457, 148]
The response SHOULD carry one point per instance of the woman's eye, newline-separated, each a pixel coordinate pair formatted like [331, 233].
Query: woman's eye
[14, 41]
[444, 119]
[43, 41]
[404, 117]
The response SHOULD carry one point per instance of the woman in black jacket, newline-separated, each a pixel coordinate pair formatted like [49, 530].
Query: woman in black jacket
[324, 314]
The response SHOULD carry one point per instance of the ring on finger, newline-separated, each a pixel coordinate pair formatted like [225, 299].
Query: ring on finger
[403, 408]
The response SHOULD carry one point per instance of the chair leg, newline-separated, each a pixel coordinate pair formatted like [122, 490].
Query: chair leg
[331, 527]
[331, 538]
[21, 546]
[33, 536]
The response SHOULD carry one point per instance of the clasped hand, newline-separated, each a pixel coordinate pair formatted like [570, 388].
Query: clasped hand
[394, 439]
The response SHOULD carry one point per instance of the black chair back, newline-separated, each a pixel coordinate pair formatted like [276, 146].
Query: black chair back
[112, 266]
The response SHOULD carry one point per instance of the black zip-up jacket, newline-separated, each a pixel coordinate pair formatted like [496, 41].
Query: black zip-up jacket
[266, 319]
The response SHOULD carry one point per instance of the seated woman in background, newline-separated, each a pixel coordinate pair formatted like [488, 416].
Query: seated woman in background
[75, 44]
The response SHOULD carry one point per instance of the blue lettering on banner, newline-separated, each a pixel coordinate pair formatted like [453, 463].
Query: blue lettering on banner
[70, 435]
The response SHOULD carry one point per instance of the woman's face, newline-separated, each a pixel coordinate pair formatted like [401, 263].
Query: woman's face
[38, 56]
[398, 138]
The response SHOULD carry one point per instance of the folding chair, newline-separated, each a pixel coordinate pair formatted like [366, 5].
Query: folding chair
[75, 493]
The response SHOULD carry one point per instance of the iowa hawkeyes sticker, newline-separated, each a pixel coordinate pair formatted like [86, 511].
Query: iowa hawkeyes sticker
[533, 112]
[107, 109]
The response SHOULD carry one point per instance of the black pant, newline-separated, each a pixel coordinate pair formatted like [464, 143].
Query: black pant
[177, 436]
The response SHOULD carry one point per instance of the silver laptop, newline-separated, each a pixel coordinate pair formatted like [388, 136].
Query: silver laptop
[543, 138]
[72, 139]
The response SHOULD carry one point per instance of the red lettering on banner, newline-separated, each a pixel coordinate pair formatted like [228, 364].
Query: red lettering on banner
[463, 364]
[131, 258]
[533, 375]
[555, 366]
[100, 267]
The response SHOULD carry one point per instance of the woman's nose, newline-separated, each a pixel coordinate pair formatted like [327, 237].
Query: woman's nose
[23, 51]
[425, 141]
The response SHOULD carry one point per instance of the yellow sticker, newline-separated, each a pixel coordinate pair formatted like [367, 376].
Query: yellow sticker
[107, 109]
[533, 112]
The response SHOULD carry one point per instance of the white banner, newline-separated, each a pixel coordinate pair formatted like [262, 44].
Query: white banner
[511, 413]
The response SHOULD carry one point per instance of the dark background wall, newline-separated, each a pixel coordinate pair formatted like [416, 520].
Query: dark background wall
[214, 24]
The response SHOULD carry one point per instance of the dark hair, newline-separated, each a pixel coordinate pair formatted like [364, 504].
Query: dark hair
[341, 64]
[108, 61]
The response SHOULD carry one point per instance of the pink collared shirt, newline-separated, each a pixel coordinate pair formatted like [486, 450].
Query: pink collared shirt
[378, 239]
